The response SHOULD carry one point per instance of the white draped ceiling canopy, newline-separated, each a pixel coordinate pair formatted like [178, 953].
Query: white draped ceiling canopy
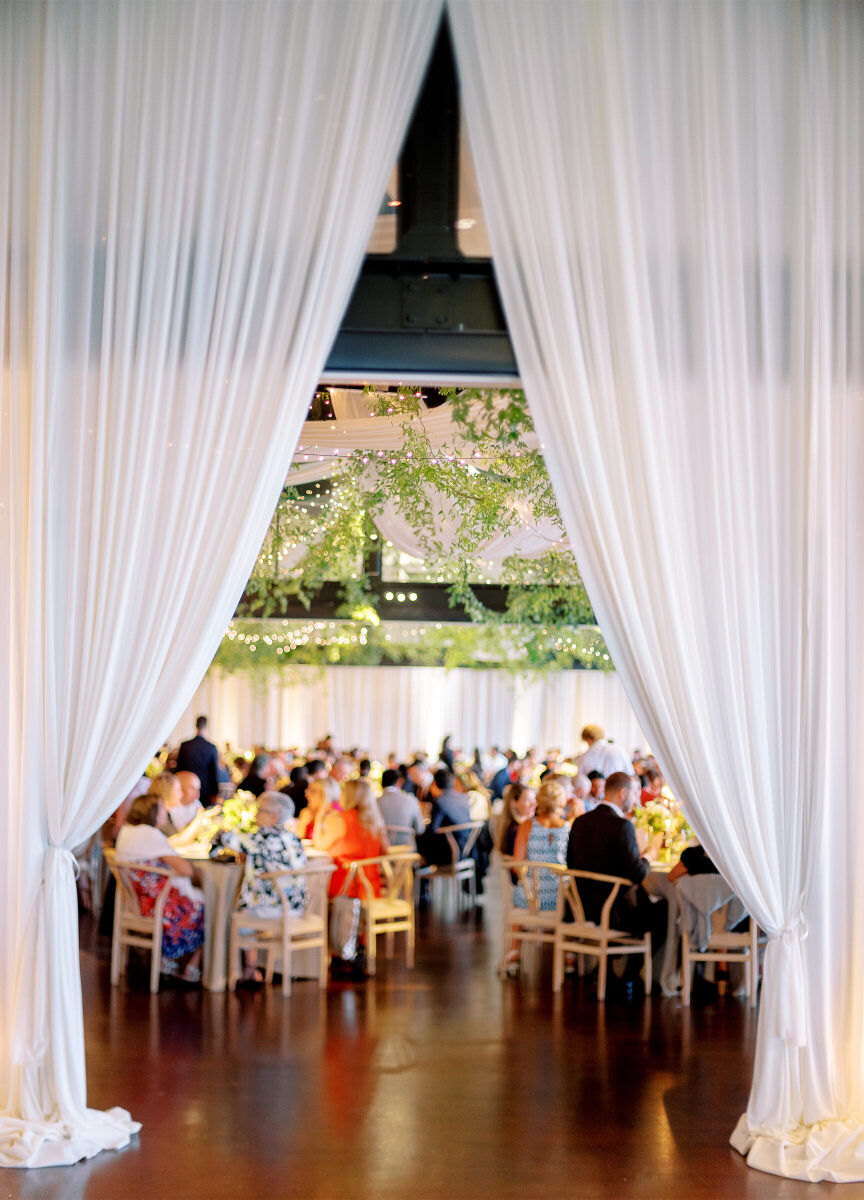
[324, 444]
[681, 261]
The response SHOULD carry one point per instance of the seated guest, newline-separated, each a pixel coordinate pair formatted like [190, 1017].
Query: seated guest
[255, 779]
[449, 807]
[693, 861]
[543, 838]
[604, 841]
[342, 769]
[181, 804]
[520, 804]
[183, 814]
[357, 831]
[322, 794]
[573, 806]
[270, 848]
[507, 774]
[399, 808]
[652, 786]
[419, 780]
[597, 786]
[364, 768]
[296, 789]
[183, 915]
[478, 796]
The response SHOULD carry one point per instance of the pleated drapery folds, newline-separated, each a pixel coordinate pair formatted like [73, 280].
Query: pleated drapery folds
[186, 193]
[411, 708]
[681, 260]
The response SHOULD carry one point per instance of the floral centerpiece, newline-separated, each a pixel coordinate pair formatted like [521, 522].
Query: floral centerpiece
[226, 827]
[664, 825]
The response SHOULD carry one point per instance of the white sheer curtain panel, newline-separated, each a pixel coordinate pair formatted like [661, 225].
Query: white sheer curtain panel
[681, 258]
[186, 191]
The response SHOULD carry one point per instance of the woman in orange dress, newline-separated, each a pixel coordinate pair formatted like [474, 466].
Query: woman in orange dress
[354, 833]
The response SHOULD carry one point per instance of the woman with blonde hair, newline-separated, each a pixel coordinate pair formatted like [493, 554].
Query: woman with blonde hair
[354, 833]
[322, 794]
[468, 783]
[542, 838]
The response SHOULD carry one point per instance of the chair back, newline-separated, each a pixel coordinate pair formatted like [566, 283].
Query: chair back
[460, 853]
[401, 835]
[124, 872]
[317, 879]
[572, 901]
[395, 872]
[529, 874]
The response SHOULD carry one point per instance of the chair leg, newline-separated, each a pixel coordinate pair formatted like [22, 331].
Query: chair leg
[233, 959]
[409, 944]
[115, 953]
[648, 979]
[286, 966]
[370, 945]
[602, 960]
[686, 981]
[388, 944]
[155, 961]
[557, 965]
[270, 963]
[325, 962]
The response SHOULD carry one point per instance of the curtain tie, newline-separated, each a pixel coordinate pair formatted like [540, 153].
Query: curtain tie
[66, 855]
[785, 984]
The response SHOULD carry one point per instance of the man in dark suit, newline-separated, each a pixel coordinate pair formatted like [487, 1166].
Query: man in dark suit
[604, 841]
[201, 757]
[507, 775]
[448, 808]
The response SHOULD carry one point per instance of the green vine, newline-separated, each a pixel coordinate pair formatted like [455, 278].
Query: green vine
[491, 480]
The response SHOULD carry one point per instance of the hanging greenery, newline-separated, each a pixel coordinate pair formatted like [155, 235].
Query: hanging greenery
[490, 481]
[262, 646]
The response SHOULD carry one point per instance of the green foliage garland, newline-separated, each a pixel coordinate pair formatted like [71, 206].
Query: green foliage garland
[320, 533]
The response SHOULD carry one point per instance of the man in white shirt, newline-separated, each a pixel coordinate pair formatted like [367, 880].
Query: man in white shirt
[601, 755]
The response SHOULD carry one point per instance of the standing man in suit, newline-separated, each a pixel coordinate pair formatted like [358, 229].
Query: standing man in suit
[201, 758]
[604, 841]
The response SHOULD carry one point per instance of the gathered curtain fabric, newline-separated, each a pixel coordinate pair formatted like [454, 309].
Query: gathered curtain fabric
[681, 260]
[186, 192]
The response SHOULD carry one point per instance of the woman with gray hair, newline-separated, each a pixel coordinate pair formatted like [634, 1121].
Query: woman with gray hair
[271, 847]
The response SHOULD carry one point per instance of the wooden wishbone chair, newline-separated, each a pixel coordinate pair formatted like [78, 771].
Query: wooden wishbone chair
[130, 927]
[532, 925]
[576, 935]
[284, 932]
[392, 911]
[462, 866]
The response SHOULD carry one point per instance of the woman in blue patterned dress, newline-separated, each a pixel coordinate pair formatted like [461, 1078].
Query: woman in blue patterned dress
[183, 915]
[542, 838]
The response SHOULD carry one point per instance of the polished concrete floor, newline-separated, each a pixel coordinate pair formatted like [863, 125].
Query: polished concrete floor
[441, 1082]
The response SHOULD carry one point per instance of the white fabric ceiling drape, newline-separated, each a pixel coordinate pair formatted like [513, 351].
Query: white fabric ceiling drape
[186, 192]
[410, 708]
[323, 443]
[681, 259]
